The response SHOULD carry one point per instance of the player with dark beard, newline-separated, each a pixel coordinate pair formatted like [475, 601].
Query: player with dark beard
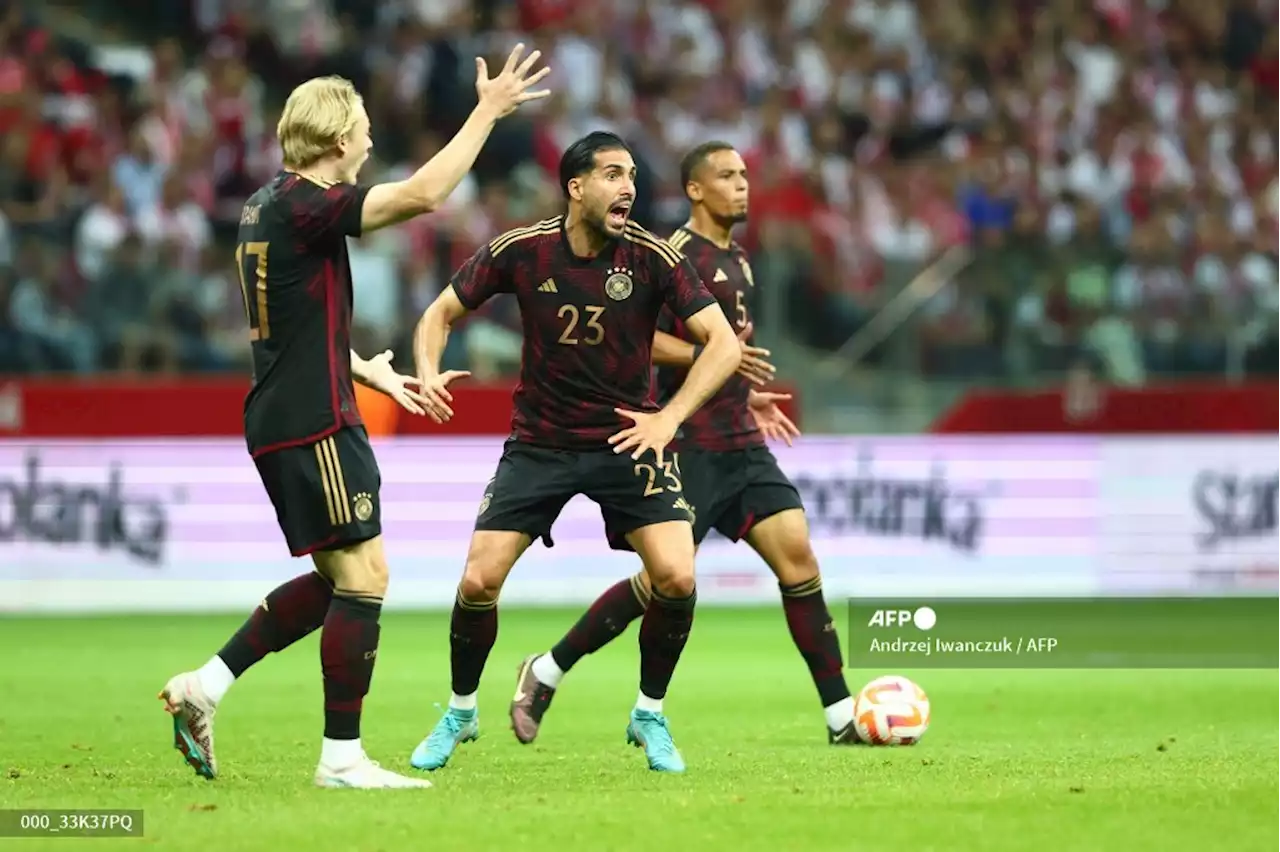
[731, 478]
[591, 286]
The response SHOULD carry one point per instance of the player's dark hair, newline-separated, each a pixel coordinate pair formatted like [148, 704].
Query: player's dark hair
[580, 157]
[693, 160]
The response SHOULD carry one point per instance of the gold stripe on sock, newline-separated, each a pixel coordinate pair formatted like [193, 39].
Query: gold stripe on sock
[474, 606]
[638, 589]
[359, 597]
[803, 590]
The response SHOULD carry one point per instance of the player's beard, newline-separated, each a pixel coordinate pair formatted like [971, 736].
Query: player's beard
[728, 220]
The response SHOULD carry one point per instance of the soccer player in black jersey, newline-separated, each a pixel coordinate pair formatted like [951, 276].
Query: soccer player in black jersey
[730, 476]
[302, 426]
[591, 286]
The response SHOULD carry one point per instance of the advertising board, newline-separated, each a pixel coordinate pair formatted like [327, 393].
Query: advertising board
[184, 524]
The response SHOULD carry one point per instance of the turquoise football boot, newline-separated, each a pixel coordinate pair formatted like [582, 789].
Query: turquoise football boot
[648, 730]
[455, 726]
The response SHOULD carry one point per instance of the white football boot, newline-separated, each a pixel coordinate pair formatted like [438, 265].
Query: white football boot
[192, 711]
[366, 774]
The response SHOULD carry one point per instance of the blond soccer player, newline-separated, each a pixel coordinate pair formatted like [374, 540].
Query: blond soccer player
[302, 424]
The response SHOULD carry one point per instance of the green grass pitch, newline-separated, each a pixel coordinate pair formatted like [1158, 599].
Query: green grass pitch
[1055, 760]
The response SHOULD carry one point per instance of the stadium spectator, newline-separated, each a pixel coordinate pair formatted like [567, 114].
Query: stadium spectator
[1113, 163]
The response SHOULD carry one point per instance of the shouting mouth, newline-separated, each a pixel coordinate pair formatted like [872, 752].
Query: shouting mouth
[618, 214]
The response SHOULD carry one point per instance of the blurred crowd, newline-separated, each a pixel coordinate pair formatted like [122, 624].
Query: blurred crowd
[1113, 163]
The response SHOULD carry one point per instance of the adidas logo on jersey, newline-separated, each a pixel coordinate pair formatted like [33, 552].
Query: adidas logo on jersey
[548, 286]
[720, 276]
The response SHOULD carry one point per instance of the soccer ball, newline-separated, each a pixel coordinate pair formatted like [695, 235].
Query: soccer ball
[891, 710]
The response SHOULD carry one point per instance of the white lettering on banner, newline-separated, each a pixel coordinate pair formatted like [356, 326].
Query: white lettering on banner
[1191, 515]
[186, 524]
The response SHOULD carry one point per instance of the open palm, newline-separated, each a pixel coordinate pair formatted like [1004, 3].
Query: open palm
[511, 88]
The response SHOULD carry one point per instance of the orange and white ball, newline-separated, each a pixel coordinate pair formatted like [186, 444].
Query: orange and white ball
[891, 710]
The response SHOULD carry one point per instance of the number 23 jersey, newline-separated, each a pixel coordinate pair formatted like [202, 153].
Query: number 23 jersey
[588, 325]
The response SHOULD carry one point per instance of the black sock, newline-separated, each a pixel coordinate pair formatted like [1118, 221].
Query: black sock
[348, 650]
[472, 631]
[663, 634]
[290, 612]
[815, 636]
[606, 619]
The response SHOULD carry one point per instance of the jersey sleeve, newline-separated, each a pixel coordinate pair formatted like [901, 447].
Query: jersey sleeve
[667, 321]
[682, 288]
[334, 211]
[481, 278]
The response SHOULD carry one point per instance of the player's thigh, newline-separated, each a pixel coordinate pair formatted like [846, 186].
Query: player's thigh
[356, 569]
[782, 540]
[770, 514]
[520, 504]
[326, 494]
[490, 557]
[667, 550]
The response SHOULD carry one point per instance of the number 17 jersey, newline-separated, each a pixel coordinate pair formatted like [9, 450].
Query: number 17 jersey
[295, 277]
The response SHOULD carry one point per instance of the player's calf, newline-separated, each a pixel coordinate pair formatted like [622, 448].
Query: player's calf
[473, 629]
[667, 551]
[782, 540]
[349, 646]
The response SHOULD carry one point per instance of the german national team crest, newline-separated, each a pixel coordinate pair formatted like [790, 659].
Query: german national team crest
[363, 505]
[618, 285]
[746, 271]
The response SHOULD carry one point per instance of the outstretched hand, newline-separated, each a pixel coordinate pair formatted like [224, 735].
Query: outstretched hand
[773, 424]
[504, 93]
[383, 377]
[435, 394]
[652, 430]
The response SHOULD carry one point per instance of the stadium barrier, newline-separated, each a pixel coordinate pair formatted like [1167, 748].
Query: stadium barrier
[1184, 408]
[206, 407]
[165, 524]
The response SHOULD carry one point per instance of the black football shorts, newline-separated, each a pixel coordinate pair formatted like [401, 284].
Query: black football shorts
[325, 493]
[533, 484]
[733, 490]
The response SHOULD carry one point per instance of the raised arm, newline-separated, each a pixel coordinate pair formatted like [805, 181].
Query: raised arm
[430, 186]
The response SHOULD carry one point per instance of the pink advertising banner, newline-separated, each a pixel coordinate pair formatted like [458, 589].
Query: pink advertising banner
[186, 524]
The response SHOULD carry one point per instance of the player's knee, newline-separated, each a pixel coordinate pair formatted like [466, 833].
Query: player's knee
[478, 587]
[482, 578]
[670, 575]
[677, 584]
